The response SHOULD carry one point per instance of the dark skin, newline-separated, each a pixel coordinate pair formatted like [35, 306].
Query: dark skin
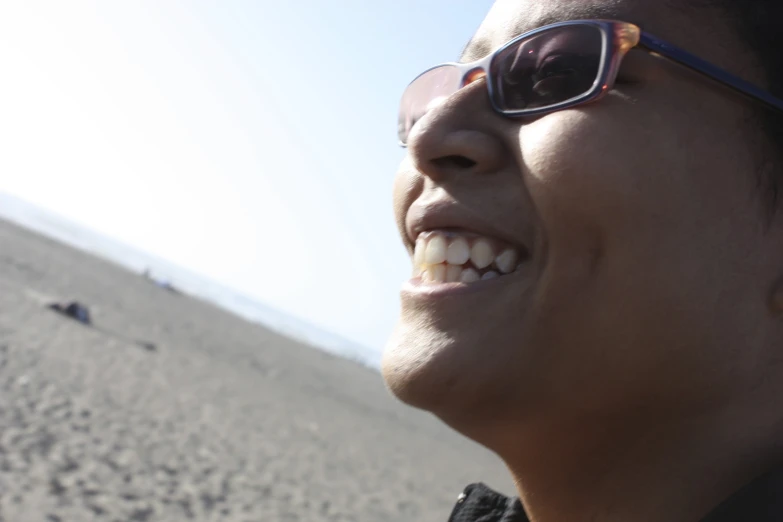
[631, 370]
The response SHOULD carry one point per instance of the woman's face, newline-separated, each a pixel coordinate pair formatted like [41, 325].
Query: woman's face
[633, 229]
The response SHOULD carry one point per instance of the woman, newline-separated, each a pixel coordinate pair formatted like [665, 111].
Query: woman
[598, 258]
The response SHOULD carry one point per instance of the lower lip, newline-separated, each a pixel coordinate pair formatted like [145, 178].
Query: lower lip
[420, 289]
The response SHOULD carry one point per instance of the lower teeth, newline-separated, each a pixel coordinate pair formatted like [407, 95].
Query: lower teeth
[456, 274]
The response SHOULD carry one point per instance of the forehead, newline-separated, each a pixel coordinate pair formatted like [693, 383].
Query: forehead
[510, 18]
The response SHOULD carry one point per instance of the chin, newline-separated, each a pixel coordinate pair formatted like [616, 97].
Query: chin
[457, 379]
[412, 368]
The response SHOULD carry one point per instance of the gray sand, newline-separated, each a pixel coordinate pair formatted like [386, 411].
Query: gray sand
[225, 421]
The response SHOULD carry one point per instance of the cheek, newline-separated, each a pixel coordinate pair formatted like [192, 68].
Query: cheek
[576, 178]
[599, 178]
[628, 172]
[406, 187]
[630, 212]
[581, 167]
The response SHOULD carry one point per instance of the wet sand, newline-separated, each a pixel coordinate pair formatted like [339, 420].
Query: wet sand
[226, 420]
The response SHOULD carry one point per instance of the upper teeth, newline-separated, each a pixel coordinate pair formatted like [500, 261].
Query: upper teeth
[458, 252]
[481, 254]
[445, 258]
[436, 251]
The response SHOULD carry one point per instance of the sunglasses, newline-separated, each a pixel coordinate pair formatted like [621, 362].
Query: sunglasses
[552, 68]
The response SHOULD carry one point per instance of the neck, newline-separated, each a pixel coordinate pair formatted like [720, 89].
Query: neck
[645, 468]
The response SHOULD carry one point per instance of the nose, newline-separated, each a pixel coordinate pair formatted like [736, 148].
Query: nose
[460, 135]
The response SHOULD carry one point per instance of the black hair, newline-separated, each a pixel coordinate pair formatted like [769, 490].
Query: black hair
[758, 25]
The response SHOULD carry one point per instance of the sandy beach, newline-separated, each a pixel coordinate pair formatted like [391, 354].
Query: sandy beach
[225, 420]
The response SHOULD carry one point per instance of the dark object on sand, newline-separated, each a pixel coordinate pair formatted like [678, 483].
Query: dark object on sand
[79, 312]
[150, 347]
[74, 310]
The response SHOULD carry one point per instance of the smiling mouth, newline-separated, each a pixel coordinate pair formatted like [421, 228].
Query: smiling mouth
[447, 256]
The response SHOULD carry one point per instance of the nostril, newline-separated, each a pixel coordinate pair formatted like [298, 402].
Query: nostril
[454, 161]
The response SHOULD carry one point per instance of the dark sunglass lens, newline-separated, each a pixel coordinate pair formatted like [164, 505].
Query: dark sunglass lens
[548, 68]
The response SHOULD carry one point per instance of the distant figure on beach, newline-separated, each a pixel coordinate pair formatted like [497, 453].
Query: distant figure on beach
[166, 285]
[595, 220]
[74, 310]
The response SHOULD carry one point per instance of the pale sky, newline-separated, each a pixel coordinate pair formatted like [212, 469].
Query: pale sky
[252, 142]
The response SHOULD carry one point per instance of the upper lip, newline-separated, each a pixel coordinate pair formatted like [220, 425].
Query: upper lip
[449, 214]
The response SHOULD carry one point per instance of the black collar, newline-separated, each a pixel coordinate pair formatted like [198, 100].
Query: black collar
[759, 501]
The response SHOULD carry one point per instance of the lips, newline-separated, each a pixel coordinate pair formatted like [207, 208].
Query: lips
[451, 244]
[447, 215]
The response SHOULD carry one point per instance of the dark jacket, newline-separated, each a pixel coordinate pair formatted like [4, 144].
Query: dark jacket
[759, 501]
